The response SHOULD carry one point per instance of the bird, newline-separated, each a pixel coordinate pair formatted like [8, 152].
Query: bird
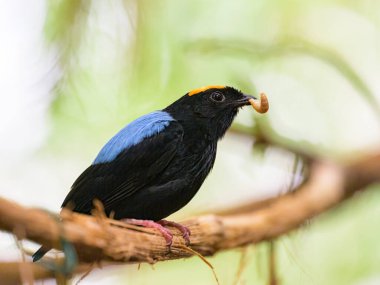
[157, 163]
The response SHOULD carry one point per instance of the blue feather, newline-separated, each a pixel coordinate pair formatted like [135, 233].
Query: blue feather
[135, 132]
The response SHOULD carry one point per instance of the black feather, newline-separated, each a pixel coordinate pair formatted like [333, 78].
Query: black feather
[161, 172]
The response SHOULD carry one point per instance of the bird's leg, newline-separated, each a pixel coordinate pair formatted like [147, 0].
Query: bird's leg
[166, 233]
[184, 230]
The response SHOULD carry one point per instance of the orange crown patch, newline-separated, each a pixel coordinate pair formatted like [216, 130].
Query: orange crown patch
[199, 90]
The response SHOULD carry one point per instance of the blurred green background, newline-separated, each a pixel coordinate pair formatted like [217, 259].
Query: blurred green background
[73, 73]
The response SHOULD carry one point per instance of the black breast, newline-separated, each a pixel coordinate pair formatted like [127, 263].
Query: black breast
[173, 189]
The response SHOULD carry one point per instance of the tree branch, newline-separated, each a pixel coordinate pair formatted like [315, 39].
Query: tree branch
[99, 238]
[27, 272]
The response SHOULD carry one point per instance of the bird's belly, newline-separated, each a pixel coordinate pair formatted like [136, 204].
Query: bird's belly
[175, 188]
[155, 202]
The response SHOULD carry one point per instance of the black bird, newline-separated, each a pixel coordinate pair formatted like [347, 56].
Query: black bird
[156, 164]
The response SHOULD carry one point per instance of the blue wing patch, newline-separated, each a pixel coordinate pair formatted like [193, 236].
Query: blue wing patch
[133, 133]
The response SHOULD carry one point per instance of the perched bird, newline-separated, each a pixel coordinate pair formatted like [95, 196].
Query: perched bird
[156, 164]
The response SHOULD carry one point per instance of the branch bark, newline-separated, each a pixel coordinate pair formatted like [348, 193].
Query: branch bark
[27, 272]
[97, 238]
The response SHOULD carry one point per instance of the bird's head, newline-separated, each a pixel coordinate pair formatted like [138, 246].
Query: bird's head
[213, 108]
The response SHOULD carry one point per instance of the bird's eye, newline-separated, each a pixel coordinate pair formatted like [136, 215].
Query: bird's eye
[217, 97]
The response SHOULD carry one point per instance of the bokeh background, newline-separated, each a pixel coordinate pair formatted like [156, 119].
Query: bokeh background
[72, 73]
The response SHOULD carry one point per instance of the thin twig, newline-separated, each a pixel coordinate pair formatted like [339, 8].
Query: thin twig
[242, 264]
[272, 263]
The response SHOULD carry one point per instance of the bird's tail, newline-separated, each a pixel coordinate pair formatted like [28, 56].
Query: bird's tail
[40, 253]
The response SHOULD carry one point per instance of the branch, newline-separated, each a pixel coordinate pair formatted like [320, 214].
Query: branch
[99, 238]
[27, 272]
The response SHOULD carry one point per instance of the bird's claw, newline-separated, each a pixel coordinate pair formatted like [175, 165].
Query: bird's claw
[161, 227]
[184, 230]
[166, 233]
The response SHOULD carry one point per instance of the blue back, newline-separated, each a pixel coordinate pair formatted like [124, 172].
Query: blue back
[135, 132]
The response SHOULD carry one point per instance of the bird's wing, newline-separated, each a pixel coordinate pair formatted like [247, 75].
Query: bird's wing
[135, 132]
[132, 167]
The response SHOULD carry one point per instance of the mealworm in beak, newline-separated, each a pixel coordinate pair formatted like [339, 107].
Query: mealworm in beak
[261, 106]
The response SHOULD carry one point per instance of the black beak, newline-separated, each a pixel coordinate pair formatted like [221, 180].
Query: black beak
[245, 100]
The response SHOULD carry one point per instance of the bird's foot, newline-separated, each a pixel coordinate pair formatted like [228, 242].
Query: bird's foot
[184, 230]
[161, 227]
[166, 233]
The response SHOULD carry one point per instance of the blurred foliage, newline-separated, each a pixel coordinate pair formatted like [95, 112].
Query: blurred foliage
[160, 50]
[317, 61]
